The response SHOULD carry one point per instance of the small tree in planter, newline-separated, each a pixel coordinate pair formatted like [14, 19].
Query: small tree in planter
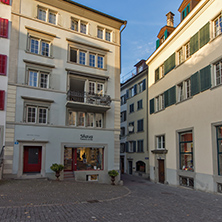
[57, 168]
[113, 174]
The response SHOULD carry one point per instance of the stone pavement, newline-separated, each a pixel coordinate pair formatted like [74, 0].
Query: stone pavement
[137, 200]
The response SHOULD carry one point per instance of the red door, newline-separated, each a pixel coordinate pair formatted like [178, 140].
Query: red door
[32, 159]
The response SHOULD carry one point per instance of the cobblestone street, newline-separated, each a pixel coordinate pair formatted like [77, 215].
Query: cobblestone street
[137, 200]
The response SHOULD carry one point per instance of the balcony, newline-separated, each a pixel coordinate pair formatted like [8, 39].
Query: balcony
[86, 101]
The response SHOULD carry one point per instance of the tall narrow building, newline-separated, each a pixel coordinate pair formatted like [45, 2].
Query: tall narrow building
[64, 75]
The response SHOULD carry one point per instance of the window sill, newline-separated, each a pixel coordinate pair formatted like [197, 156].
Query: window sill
[215, 87]
[184, 100]
[75, 63]
[159, 111]
[50, 57]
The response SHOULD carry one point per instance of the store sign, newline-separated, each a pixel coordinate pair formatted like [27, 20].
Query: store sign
[86, 137]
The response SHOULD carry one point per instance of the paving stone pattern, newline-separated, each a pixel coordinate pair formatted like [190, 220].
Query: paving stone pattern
[137, 200]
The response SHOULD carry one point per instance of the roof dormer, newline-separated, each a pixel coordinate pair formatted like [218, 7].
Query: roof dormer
[166, 30]
[186, 7]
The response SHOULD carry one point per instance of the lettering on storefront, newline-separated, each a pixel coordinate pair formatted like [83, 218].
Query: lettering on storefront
[86, 137]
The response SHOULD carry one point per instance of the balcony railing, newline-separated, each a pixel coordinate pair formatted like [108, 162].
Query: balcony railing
[85, 97]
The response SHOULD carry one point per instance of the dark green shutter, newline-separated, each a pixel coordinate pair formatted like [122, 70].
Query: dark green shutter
[166, 34]
[157, 75]
[134, 146]
[205, 35]
[169, 64]
[152, 106]
[144, 84]
[127, 94]
[127, 147]
[135, 89]
[172, 95]
[205, 78]
[195, 83]
[157, 43]
[194, 43]
[166, 99]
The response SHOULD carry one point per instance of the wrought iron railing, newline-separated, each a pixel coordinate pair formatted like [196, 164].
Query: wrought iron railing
[85, 97]
[2, 155]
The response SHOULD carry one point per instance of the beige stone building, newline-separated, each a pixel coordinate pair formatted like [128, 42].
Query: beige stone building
[134, 155]
[185, 79]
[63, 93]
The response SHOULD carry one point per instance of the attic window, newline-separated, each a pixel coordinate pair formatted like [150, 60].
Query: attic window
[185, 12]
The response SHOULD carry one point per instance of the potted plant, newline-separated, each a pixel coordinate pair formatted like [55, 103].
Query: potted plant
[57, 168]
[113, 174]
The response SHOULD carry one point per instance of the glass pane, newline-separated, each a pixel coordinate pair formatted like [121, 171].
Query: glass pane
[186, 147]
[45, 49]
[44, 80]
[92, 60]
[74, 25]
[220, 164]
[83, 28]
[72, 118]
[90, 119]
[42, 115]
[100, 62]
[220, 146]
[33, 156]
[82, 58]
[52, 18]
[33, 79]
[68, 159]
[34, 46]
[219, 132]
[31, 114]
[98, 120]
[81, 119]
[186, 137]
[89, 158]
[186, 162]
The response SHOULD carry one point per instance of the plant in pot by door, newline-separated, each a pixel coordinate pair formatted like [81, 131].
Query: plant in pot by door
[113, 174]
[57, 168]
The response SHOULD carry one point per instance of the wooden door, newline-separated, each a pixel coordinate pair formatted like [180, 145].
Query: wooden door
[32, 159]
[161, 171]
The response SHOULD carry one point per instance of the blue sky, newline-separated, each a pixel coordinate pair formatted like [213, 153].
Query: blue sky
[144, 20]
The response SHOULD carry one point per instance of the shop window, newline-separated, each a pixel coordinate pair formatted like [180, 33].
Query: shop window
[90, 158]
[186, 151]
[140, 167]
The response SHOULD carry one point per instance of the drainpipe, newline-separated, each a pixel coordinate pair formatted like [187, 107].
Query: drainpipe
[125, 23]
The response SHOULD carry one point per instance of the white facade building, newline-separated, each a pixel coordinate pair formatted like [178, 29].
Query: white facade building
[65, 78]
[185, 87]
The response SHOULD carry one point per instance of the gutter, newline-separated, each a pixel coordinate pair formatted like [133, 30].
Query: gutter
[124, 23]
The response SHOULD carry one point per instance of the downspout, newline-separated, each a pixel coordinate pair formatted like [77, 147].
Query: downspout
[125, 23]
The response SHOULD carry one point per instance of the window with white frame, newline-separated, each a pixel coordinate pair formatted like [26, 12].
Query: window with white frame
[108, 35]
[131, 146]
[183, 90]
[100, 33]
[96, 88]
[187, 50]
[81, 119]
[180, 56]
[218, 73]
[38, 79]
[160, 142]
[131, 92]
[74, 24]
[39, 46]
[82, 58]
[36, 114]
[100, 61]
[217, 23]
[47, 15]
[52, 17]
[159, 102]
[42, 14]
[92, 60]
[90, 120]
[83, 27]
[131, 108]
[99, 120]
[85, 119]
[72, 118]
[140, 87]
[86, 57]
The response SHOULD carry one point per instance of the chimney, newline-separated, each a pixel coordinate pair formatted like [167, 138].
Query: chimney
[170, 19]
